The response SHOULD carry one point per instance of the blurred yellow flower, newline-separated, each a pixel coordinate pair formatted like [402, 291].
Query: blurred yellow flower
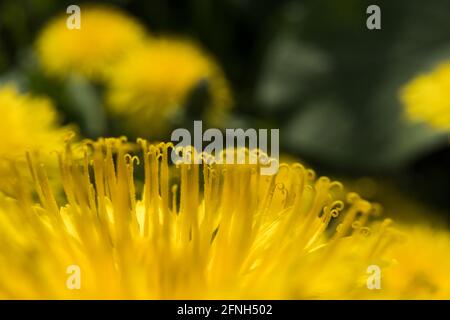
[427, 98]
[191, 231]
[106, 34]
[26, 123]
[422, 265]
[149, 87]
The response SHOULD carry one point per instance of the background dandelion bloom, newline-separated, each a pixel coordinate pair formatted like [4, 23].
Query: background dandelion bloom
[193, 231]
[427, 98]
[105, 35]
[152, 84]
[26, 123]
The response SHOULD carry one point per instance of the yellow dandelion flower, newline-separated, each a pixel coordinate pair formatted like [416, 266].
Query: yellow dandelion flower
[26, 123]
[106, 34]
[427, 98]
[155, 80]
[421, 267]
[191, 231]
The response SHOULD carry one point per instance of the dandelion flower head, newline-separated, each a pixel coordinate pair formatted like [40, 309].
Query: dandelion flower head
[152, 84]
[427, 98]
[27, 123]
[190, 231]
[105, 35]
